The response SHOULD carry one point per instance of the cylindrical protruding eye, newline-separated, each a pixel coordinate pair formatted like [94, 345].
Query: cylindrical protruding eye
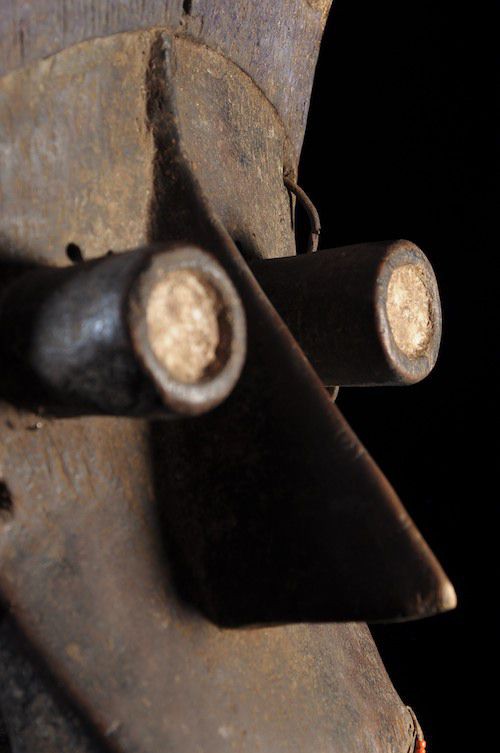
[155, 331]
[188, 328]
[364, 315]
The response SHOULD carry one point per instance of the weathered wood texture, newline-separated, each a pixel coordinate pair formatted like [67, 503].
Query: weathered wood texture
[73, 169]
[149, 671]
[275, 43]
[157, 675]
[84, 173]
[36, 717]
[38, 28]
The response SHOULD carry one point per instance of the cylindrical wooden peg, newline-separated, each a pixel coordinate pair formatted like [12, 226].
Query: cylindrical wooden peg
[364, 315]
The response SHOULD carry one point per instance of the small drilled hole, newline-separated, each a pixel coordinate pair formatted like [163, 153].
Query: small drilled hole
[187, 6]
[74, 253]
[6, 503]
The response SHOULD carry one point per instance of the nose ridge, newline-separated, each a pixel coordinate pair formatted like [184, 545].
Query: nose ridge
[284, 516]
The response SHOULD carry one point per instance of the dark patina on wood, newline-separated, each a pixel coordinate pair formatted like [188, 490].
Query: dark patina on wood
[267, 510]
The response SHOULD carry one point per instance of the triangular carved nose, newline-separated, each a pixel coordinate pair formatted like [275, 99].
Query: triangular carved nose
[275, 510]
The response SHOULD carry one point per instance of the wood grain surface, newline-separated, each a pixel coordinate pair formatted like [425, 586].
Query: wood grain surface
[275, 42]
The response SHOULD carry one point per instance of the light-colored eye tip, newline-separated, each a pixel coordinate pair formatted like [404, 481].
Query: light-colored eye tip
[188, 328]
[183, 314]
[410, 310]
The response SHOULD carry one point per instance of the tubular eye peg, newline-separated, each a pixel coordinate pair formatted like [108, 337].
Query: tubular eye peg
[364, 315]
[188, 329]
[151, 332]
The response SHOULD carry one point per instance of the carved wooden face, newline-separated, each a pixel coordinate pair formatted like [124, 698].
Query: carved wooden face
[131, 545]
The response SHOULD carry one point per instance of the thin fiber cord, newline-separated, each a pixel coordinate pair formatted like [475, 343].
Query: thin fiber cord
[311, 212]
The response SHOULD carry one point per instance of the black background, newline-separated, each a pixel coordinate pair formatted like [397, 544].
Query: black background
[399, 145]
